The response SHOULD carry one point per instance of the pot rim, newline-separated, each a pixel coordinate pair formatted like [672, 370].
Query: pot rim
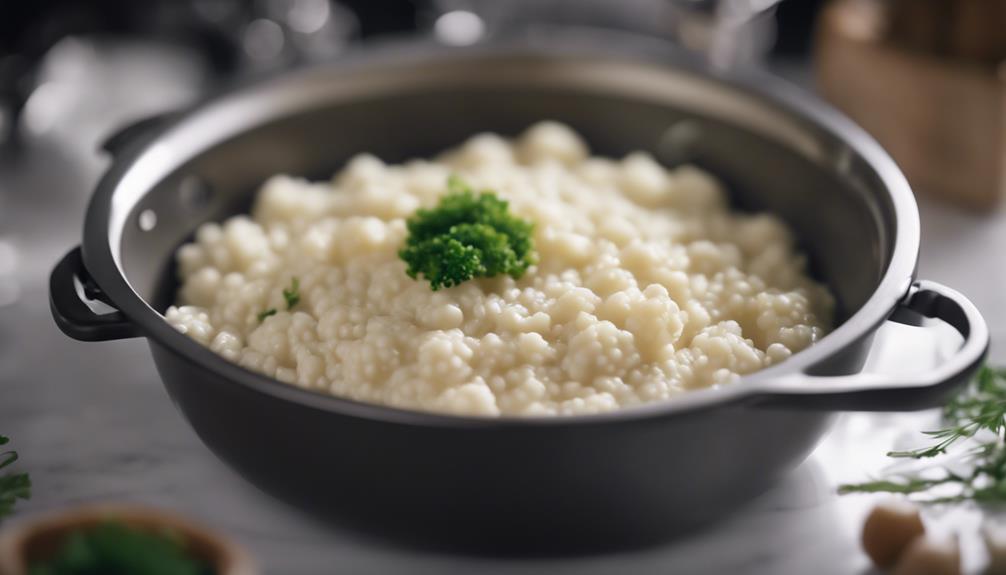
[767, 92]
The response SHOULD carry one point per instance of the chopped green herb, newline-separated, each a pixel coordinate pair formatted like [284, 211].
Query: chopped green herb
[13, 486]
[467, 236]
[981, 407]
[115, 549]
[292, 295]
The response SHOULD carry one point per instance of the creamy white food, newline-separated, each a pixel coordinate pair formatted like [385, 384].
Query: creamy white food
[647, 285]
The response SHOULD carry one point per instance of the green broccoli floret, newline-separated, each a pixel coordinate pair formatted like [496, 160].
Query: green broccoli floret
[465, 236]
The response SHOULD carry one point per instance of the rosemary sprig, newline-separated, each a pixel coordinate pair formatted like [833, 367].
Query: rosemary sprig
[13, 486]
[981, 406]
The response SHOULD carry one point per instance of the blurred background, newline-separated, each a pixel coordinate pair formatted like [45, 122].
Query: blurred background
[67, 65]
[923, 76]
[72, 70]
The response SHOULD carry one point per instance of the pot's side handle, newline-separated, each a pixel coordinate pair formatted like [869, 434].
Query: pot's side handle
[72, 315]
[876, 392]
[136, 130]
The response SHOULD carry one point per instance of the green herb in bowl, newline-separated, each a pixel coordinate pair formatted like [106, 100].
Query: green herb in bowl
[115, 549]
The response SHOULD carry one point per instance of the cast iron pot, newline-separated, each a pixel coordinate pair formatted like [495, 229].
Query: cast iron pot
[624, 478]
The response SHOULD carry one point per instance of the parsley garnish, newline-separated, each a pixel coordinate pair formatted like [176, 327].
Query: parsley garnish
[467, 236]
[264, 314]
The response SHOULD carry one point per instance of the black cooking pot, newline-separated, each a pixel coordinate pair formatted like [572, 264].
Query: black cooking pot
[628, 477]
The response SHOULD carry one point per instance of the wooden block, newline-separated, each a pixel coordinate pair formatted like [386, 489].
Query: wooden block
[942, 119]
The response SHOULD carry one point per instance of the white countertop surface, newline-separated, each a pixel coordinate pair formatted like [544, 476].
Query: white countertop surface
[93, 423]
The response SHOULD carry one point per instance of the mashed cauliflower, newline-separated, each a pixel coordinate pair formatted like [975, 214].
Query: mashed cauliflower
[646, 285]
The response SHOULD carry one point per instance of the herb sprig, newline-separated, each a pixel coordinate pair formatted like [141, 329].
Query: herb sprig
[13, 486]
[467, 235]
[979, 414]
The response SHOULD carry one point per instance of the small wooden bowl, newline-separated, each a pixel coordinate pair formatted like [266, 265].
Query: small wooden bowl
[37, 539]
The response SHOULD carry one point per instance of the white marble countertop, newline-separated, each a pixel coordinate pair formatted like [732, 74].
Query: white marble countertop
[93, 423]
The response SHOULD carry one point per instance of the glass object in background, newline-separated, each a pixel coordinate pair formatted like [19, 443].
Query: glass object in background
[728, 33]
[85, 86]
[269, 34]
[123, 46]
[279, 33]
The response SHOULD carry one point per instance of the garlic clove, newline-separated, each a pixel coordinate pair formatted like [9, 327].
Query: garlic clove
[889, 528]
[928, 555]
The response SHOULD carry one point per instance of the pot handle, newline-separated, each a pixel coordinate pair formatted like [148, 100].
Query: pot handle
[136, 130]
[877, 392]
[72, 315]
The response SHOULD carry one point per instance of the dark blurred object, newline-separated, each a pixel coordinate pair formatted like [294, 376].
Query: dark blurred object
[794, 22]
[227, 38]
[28, 30]
[232, 36]
[925, 77]
[972, 30]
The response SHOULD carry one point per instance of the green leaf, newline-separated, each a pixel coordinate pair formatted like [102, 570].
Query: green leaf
[897, 485]
[13, 486]
[7, 458]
